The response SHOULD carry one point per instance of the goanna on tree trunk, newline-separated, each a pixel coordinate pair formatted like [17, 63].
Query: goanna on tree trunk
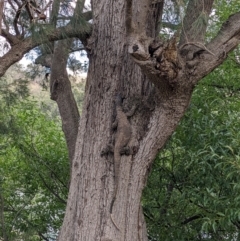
[121, 63]
[112, 71]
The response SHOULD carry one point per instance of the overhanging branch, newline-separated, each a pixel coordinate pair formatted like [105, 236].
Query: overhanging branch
[227, 39]
[188, 220]
[12, 39]
[229, 35]
[137, 16]
[63, 33]
[23, 46]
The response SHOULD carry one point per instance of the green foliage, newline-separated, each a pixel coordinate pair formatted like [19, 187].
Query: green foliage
[224, 8]
[39, 31]
[194, 186]
[34, 172]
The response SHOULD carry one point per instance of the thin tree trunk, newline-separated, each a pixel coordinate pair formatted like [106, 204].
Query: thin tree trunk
[61, 92]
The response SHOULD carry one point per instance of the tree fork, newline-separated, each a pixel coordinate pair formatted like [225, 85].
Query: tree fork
[162, 104]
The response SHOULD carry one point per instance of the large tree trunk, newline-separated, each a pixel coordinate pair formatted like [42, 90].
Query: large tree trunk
[121, 63]
[113, 71]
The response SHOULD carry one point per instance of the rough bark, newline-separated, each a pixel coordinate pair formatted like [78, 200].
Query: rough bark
[160, 82]
[92, 175]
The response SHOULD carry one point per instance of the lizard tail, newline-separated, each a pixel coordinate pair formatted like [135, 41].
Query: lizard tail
[111, 206]
[116, 174]
[114, 223]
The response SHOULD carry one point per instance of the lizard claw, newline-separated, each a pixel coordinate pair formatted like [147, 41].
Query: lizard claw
[108, 149]
[125, 151]
[103, 152]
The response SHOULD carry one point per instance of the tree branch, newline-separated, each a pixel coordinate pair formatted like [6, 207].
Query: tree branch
[229, 35]
[12, 39]
[22, 47]
[154, 18]
[12, 5]
[86, 15]
[17, 2]
[51, 190]
[4, 20]
[136, 28]
[136, 16]
[61, 92]
[15, 21]
[54, 12]
[227, 39]
[188, 220]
